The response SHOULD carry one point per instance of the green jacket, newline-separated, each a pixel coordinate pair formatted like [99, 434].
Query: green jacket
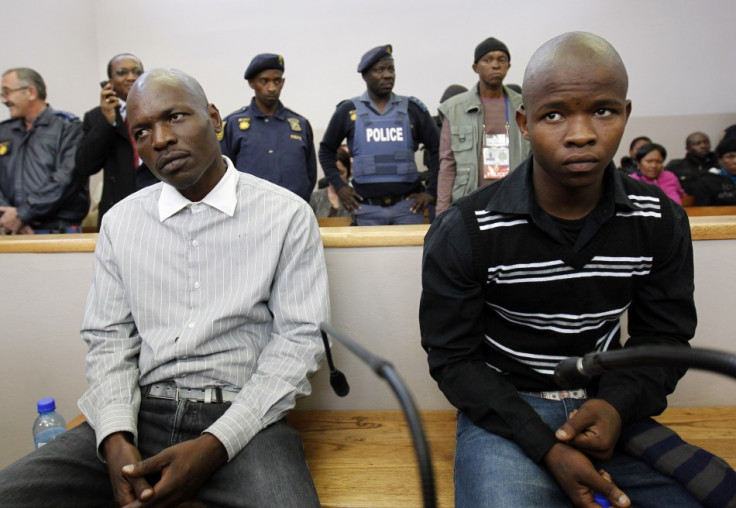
[465, 113]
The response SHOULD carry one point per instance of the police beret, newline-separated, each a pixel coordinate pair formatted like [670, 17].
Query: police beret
[373, 56]
[488, 45]
[262, 62]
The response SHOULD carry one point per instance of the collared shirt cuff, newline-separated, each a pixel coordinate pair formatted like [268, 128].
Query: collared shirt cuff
[115, 418]
[235, 429]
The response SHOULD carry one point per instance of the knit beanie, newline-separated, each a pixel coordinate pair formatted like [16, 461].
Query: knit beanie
[490, 44]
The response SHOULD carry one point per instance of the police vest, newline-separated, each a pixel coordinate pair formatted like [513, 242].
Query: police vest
[382, 145]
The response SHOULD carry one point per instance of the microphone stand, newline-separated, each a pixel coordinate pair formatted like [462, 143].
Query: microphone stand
[386, 370]
[576, 371]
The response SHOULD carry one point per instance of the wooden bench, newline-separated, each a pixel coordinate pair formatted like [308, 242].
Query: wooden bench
[366, 458]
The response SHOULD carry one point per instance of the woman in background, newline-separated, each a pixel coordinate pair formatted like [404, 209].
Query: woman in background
[325, 202]
[650, 159]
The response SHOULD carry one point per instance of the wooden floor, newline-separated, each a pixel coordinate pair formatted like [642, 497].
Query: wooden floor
[366, 459]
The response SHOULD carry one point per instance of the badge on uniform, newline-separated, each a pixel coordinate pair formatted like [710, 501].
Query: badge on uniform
[352, 115]
[4, 147]
[495, 156]
[295, 126]
[244, 123]
[221, 134]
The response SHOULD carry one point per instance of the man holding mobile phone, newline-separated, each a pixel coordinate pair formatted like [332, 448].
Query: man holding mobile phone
[107, 143]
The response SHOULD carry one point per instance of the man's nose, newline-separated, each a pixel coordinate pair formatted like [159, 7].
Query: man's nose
[162, 136]
[580, 130]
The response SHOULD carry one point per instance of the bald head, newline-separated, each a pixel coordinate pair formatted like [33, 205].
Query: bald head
[573, 50]
[174, 78]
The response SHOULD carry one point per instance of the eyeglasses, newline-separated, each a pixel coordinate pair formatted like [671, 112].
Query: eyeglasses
[4, 94]
[125, 72]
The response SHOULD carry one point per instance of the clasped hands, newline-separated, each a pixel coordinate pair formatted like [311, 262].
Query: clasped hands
[591, 431]
[184, 468]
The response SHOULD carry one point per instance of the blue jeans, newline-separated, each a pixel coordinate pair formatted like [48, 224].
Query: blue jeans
[400, 213]
[269, 471]
[491, 471]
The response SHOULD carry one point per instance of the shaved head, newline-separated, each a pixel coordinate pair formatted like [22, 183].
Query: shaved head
[572, 50]
[172, 77]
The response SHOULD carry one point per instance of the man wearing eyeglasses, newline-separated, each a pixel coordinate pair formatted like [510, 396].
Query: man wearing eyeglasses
[40, 192]
[107, 143]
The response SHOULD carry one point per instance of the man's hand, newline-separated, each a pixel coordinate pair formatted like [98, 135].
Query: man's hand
[421, 201]
[118, 452]
[593, 429]
[578, 478]
[10, 221]
[184, 468]
[349, 198]
[108, 102]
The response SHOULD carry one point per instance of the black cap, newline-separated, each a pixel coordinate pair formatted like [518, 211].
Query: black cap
[490, 44]
[725, 146]
[373, 56]
[262, 62]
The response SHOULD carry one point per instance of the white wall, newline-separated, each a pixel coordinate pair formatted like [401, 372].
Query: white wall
[678, 52]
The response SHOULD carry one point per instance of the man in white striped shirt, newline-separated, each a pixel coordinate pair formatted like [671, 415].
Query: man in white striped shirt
[203, 328]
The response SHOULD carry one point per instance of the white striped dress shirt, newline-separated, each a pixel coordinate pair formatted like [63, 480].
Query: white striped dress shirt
[227, 292]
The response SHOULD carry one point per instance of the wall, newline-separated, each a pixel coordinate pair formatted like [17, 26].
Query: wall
[675, 50]
[374, 294]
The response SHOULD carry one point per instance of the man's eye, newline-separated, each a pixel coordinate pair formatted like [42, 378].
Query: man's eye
[140, 133]
[553, 116]
[604, 112]
[177, 116]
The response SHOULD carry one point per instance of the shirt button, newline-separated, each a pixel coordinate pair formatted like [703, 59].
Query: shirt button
[195, 242]
[191, 325]
[196, 285]
[266, 120]
[270, 151]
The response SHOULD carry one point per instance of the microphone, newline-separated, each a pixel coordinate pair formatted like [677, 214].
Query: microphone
[575, 372]
[337, 379]
[387, 371]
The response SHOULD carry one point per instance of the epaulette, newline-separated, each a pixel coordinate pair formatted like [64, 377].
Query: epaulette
[69, 116]
[419, 103]
[343, 102]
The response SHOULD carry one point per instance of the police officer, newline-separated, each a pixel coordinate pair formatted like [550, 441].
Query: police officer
[40, 190]
[268, 140]
[383, 131]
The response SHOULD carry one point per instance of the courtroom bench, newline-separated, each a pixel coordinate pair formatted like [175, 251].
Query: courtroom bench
[366, 459]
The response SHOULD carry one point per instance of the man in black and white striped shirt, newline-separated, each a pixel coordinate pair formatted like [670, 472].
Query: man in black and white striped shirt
[203, 327]
[540, 266]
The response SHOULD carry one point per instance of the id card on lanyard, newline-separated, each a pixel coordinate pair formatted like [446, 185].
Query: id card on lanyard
[496, 153]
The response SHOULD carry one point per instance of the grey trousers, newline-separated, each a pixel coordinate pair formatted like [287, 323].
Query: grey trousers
[270, 471]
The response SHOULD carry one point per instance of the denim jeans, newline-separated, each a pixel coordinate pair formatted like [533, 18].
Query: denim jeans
[400, 213]
[269, 471]
[491, 471]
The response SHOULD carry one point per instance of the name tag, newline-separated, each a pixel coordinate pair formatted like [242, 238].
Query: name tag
[495, 156]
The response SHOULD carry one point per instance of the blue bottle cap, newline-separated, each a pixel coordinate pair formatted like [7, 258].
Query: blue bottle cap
[46, 405]
[601, 500]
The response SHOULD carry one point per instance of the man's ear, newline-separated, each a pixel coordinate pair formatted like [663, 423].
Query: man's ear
[215, 117]
[521, 121]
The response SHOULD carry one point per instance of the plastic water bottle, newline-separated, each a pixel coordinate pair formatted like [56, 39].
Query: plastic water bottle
[48, 424]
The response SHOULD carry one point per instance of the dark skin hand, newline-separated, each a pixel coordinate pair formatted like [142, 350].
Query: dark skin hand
[119, 451]
[421, 201]
[349, 198]
[593, 429]
[578, 478]
[184, 468]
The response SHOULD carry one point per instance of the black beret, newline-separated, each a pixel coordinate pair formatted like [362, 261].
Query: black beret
[262, 62]
[725, 146]
[488, 45]
[373, 56]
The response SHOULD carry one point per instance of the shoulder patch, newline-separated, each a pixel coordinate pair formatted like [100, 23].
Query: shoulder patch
[295, 124]
[244, 123]
[69, 116]
[419, 103]
[353, 114]
[4, 147]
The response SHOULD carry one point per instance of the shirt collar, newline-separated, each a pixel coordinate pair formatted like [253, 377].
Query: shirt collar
[280, 113]
[364, 97]
[223, 197]
[517, 196]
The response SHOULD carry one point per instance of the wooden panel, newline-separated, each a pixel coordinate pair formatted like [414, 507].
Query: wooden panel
[709, 211]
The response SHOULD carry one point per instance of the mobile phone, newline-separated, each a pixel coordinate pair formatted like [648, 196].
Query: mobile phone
[103, 84]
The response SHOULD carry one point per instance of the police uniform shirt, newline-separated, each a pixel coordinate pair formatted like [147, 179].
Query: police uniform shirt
[342, 126]
[278, 148]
